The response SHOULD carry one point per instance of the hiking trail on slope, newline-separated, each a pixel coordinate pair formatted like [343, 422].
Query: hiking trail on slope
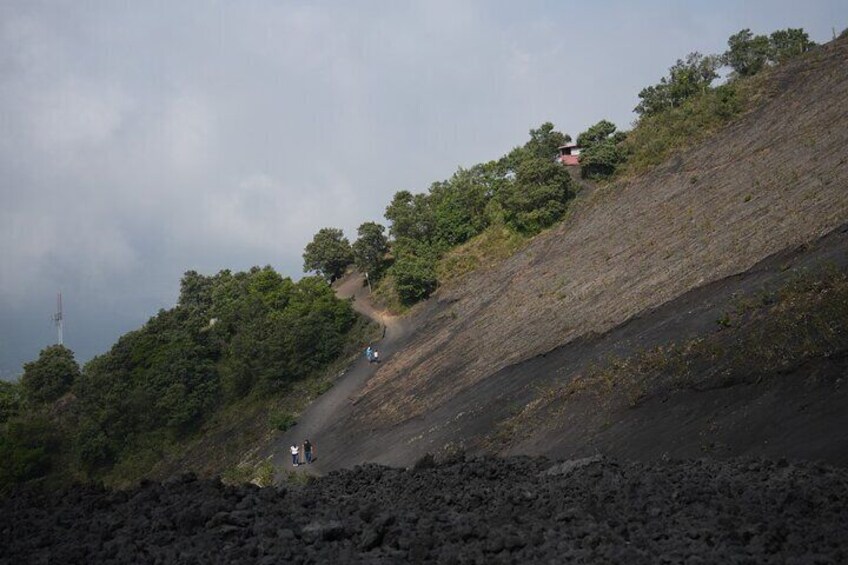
[318, 414]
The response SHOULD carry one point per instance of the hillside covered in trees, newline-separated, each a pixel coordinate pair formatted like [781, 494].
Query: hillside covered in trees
[230, 337]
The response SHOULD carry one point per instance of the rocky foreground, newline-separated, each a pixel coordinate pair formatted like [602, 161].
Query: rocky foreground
[462, 511]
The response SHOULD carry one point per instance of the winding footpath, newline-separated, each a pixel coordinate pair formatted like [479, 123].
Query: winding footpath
[326, 408]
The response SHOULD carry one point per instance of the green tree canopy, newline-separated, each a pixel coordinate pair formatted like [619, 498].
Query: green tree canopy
[537, 195]
[328, 254]
[11, 400]
[747, 54]
[525, 189]
[545, 141]
[370, 248]
[27, 449]
[686, 78]
[230, 335]
[789, 43]
[415, 278]
[601, 152]
[459, 205]
[51, 375]
[411, 216]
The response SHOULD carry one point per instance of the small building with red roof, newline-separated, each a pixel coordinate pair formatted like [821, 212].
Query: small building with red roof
[569, 154]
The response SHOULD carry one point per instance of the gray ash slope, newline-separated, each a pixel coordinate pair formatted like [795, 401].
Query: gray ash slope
[482, 510]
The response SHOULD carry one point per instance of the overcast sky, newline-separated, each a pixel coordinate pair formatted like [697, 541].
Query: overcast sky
[143, 139]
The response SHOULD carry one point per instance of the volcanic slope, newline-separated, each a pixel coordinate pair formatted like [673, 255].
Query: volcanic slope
[711, 222]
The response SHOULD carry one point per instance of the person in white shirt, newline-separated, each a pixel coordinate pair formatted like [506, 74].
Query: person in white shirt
[294, 451]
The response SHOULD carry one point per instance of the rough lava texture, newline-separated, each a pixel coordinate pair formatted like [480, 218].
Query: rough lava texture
[461, 511]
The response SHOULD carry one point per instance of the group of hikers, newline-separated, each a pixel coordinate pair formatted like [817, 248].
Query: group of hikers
[306, 448]
[308, 451]
[372, 355]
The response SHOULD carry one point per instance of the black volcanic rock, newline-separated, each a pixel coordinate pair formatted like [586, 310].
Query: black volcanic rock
[466, 511]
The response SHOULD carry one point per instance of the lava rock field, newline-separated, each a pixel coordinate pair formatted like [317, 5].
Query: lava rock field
[483, 510]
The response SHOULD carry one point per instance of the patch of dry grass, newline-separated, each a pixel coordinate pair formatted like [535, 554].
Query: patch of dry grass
[489, 248]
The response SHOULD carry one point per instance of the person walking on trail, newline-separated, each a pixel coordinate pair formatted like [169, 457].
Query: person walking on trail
[369, 354]
[294, 453]
[308, 449]
[375, 357]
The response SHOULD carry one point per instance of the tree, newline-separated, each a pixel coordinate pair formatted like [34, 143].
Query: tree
[654, 99]
[415, 278]
[600, 155]
[51, 375]
[747, 53]
[598, 133]
[370, 248]
[686, 78]
[28, 449]
[411, 216]
[195, 291]
[789, 43]
[11, 400]
[459, 205]
[543, 144]
[538, 195]
[545, 141]
[692, 76]
[328, 254]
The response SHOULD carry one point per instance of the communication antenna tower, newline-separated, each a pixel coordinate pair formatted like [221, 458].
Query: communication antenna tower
[58, 318]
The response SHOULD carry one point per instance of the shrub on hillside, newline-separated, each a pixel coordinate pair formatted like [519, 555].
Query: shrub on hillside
[11, 400]
[27, 448]
[51, 375]
[656, 136]
[414, 277]
[282, 420]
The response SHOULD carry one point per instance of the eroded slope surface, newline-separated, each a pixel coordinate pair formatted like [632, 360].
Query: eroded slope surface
[773, 179]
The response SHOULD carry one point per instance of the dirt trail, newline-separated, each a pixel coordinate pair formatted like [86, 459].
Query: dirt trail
[317, 417]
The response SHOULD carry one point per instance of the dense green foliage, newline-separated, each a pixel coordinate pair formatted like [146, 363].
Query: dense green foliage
[748, 54]
[51, 376]
[11, 400]
[29, 414]
[328, 254]
[525, 190]
[601, 150]
[536, 196]
[28, 447]
[230, 335]
[370, 249]
[415, 278]
[685, 79]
